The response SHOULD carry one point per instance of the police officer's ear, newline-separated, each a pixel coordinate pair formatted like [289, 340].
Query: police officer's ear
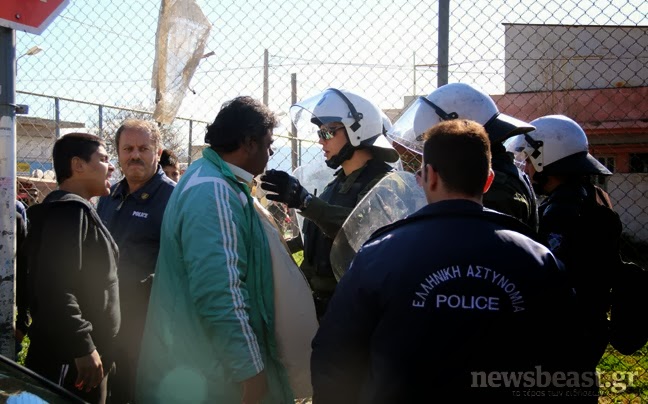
[159, 153]
[489, 180]
[429, 176]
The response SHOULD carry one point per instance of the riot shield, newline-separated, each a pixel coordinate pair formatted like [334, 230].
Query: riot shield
[393, 198]
[313, 176]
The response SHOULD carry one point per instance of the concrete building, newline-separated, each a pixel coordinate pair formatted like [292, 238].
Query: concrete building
[35, 138]
[596, 75]
[539, 57]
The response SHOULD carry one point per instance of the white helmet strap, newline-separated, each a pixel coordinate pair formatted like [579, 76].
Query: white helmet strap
[536, 145]
[440, 112]
[357, 116]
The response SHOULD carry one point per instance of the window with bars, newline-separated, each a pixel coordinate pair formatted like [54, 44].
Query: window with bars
[639, 162]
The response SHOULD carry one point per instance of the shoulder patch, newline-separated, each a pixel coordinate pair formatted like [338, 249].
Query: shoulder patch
[554, 240]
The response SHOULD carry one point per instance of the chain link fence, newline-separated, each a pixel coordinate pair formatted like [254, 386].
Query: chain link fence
[587, 59]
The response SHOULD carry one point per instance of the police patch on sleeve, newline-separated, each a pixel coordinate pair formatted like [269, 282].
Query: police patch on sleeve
[554, 240]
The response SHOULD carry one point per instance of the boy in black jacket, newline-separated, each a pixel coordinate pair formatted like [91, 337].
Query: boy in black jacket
[73, 285]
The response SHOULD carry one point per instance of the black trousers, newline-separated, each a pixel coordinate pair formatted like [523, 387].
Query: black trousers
[127, 344]
[64, 373]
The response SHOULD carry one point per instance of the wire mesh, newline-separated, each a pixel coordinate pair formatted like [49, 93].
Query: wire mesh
[585, 59]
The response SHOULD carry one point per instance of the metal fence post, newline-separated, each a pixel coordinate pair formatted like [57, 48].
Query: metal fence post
[444, 39]
[57, 116]
[294, 153]
[266, 69]
[190, 141]
[101, 121]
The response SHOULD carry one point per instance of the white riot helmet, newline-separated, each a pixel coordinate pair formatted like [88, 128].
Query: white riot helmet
[362, 120]
[559, 146]
[523, 147]
[454, 101]
[387, 123]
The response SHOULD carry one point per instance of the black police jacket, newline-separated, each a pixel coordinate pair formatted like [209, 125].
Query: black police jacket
[433, 303]
[511, 192]
[588, 245]
[134, 219]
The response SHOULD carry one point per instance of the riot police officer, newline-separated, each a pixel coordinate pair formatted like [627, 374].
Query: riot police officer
[572, 223]
[511, 192]
[350, 130]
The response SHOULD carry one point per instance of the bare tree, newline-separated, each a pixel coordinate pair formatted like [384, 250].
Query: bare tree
[172, 136]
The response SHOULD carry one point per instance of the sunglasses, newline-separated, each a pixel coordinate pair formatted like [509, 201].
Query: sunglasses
[328, 133]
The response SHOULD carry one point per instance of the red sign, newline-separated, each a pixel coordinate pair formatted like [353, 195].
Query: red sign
[31, 16]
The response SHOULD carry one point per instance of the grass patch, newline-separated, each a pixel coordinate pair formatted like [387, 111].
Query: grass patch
[624, 378]
[298, 257]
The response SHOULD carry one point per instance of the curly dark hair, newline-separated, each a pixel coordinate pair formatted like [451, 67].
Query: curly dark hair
[239, 119]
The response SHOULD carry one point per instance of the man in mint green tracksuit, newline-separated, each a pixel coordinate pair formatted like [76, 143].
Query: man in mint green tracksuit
[209, 334]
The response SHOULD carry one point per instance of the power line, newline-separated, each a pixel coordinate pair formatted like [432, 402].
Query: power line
[74, 79]
[119, 34]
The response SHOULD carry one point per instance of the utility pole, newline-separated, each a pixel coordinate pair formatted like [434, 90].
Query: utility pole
[265, 77]
[7, 189]
[444, 38]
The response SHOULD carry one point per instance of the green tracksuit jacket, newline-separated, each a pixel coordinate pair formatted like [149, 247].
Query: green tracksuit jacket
[210, 322]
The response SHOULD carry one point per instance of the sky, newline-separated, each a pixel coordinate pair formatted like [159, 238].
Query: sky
[102, 51]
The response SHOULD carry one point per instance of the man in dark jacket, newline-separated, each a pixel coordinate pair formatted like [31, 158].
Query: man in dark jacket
[445, 304]
[73, 285]
[133, 213]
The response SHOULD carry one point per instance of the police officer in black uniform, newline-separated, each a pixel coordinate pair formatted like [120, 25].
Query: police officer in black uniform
[435, 303]
[584, 238]
[350, 130]
[133, 214]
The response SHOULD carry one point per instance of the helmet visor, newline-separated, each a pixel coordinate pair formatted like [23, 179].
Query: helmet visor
[412, 124]
[326, 108]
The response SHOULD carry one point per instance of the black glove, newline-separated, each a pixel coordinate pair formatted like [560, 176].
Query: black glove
[286, 188]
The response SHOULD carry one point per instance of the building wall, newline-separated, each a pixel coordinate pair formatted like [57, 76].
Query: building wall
[563, 57]
[629, 194]
[35, 139]
[34, 150]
